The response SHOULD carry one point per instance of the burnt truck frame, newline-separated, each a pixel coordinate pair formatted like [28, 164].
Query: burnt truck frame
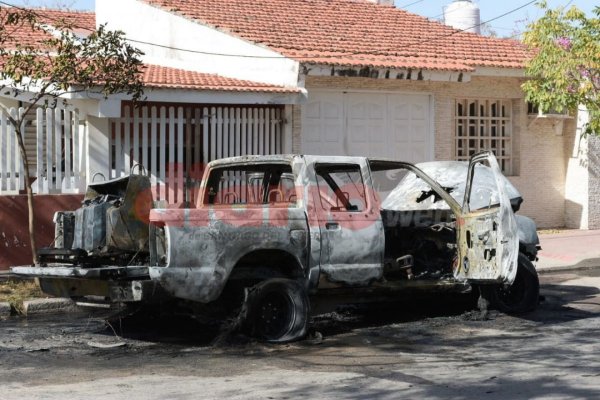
[267, 232]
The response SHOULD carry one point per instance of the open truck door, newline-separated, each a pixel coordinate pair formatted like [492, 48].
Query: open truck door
[487, 230]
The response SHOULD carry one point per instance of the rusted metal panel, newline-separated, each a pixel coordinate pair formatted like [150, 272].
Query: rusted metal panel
[14, 236]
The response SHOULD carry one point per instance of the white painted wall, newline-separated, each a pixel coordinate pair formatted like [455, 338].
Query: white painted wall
[147, 23]
[98, 131]
[576, 180]
[582, 185]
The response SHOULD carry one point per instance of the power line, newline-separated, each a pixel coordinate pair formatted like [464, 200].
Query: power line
[503, 15]
[471, 27]
[459, 9]
[411, 4]
[519, 33]
[333, 56]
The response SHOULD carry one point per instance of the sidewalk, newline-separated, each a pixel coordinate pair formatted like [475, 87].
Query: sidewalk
[570, 249]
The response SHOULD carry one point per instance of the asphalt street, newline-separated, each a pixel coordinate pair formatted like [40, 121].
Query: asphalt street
[435, 349]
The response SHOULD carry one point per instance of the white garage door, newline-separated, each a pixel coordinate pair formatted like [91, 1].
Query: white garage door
[395, 126]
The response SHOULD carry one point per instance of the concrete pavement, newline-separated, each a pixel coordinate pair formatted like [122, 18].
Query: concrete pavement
[569, 249]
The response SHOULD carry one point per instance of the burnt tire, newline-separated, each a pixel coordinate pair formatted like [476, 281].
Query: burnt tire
[277, 311]
[520, 297]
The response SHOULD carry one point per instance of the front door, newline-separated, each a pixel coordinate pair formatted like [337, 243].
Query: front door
[488, 238]
[350, 224]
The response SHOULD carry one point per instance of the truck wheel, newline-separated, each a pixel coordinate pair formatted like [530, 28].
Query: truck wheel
[277, 310]
[520, 297]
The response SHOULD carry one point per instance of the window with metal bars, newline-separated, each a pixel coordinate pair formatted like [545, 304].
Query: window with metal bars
[484, 124]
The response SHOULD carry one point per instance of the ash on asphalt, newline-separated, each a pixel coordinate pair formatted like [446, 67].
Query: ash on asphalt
[349, 317]
[164, 331]
[169, 328]
[163, 328]
[436, 309]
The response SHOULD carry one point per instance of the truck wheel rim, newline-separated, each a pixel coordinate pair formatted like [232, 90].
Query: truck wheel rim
[276, 315]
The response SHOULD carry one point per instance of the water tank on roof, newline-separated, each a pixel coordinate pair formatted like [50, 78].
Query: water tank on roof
[463, 15]
[382, 2]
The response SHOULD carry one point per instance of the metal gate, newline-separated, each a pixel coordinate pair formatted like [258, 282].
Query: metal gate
[54, 142]
[173, 145]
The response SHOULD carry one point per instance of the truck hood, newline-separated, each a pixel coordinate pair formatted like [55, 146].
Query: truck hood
[452, 176]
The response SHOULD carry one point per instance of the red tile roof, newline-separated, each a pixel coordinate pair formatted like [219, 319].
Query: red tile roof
[82, 19]
[350, 32]
[154, 76]
[172, 78]
[22, 34]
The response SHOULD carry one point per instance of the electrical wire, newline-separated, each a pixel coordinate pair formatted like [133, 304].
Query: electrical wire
[411, 4]
[519, 33]
[482, 23]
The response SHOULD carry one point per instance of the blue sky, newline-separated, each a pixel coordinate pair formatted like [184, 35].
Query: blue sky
[490, 9]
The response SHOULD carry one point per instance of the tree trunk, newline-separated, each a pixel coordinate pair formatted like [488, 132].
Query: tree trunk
[30, 207]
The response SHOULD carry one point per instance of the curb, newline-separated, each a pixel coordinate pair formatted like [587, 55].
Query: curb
[5, 310]
[6, 275]
[47, 306]
[567, 268]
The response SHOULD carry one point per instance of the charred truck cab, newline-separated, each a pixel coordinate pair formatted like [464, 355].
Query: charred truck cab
[267, 232]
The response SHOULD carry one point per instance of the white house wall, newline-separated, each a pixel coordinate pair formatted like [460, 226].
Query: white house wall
[147, 23]
[576, 182]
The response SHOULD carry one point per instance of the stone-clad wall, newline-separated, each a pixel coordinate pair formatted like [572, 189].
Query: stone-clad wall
[594, 182]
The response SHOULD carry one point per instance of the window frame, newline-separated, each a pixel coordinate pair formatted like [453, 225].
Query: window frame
[345, 209]
[267, 169]
[484, 124]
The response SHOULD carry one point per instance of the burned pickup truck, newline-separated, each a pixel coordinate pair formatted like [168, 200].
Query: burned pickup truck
[270, 233]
